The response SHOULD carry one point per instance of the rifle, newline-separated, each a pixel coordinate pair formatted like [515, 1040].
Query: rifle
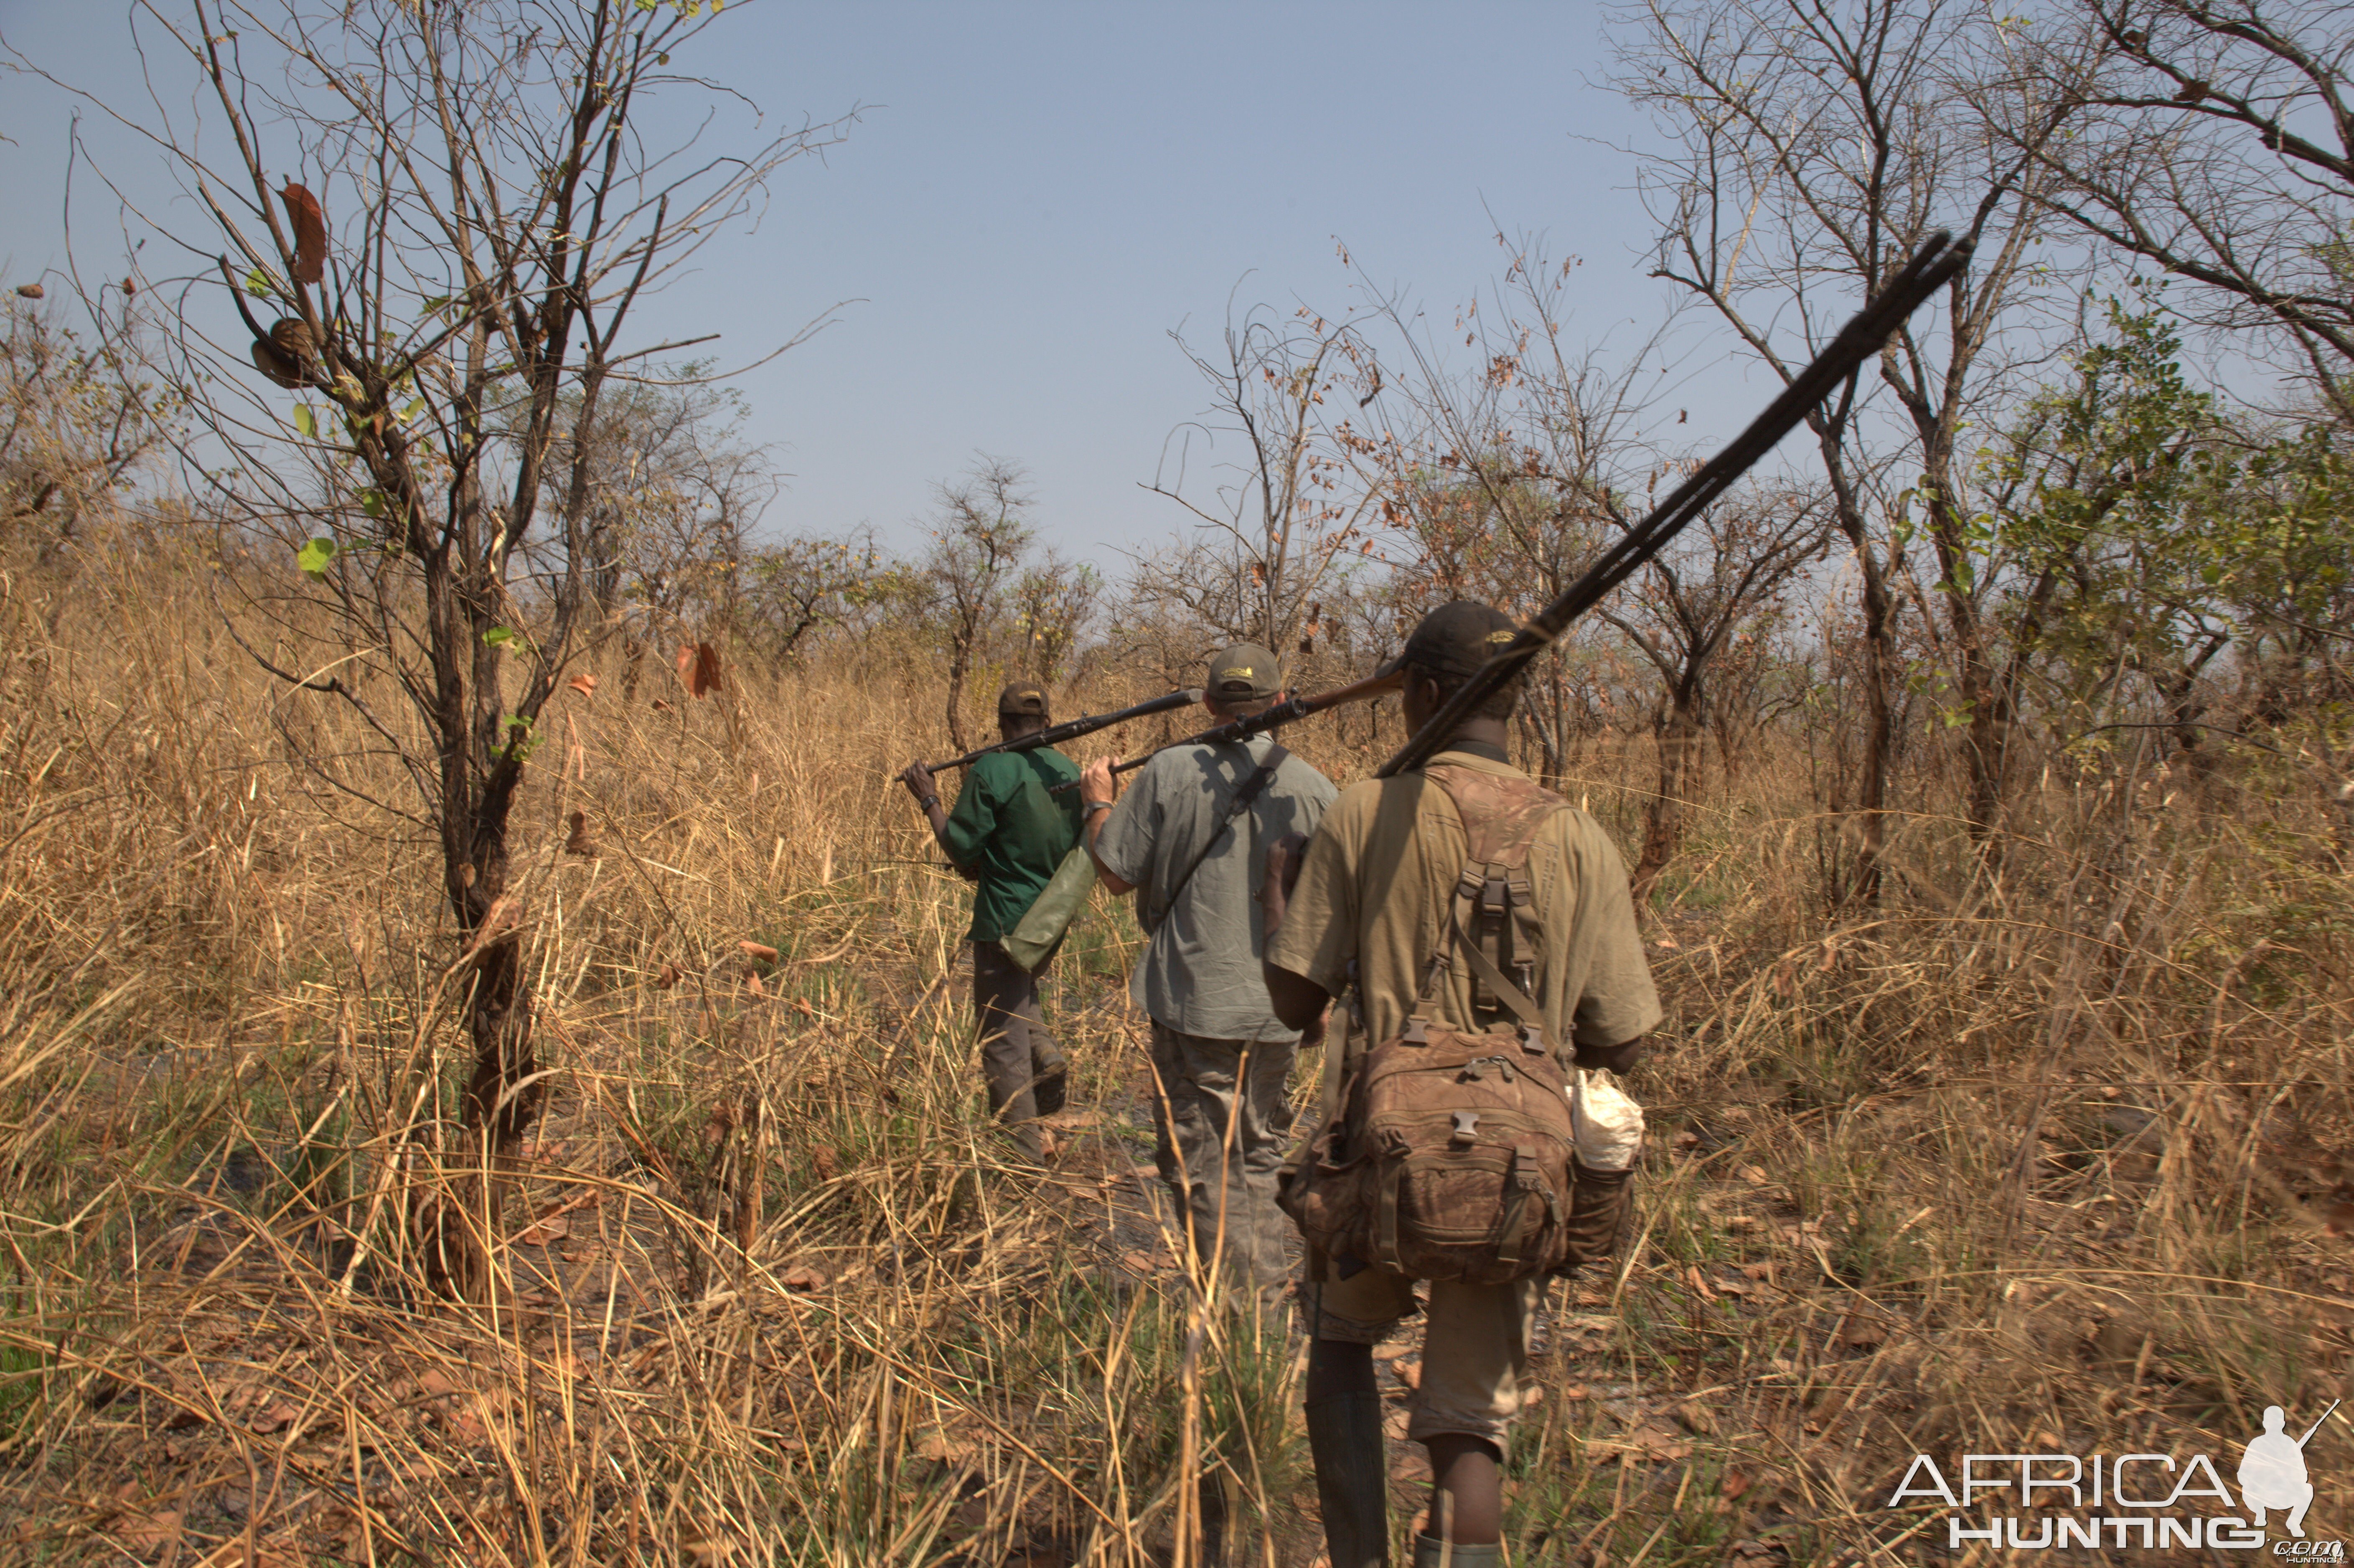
[1071, 730]
[1288, 711]
[1931, 269]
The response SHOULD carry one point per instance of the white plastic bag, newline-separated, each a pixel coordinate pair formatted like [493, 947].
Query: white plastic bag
[1609, 1123]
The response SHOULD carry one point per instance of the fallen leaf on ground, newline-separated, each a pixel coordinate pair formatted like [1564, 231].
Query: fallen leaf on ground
[758, 952]
[802, 1277]
[148, 1532]
[669, 977]
[278, 1414]
[1142, 1261]
[1736, 1483]
[584, 684]
[1861, 1331]
[942, 1449]
[543, 1231]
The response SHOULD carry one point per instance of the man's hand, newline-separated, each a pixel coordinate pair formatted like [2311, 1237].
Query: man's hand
[918, 780]
[1097, 785]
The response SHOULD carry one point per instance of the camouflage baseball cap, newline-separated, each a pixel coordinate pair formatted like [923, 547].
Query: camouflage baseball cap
[1244, 672]
[1455, 640]
[1022, 699]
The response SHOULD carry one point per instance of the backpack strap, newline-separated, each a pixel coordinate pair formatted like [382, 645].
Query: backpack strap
[1240, 801]
[1492, 918]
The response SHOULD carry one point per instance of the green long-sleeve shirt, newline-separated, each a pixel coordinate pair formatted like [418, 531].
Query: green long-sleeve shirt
[1007, 825]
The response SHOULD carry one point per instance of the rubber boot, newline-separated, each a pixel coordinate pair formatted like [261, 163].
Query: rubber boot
[1429, 1551]
[1344, 1439]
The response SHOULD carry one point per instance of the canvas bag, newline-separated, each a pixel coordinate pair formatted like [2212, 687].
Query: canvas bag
[1450, 1154]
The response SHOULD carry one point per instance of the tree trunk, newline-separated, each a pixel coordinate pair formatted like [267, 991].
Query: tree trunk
[1679, 735]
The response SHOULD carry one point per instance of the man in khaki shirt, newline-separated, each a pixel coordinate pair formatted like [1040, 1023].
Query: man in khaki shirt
[1369, 907]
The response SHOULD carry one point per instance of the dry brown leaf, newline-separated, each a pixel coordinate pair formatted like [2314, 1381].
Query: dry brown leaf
[276, 1417]
[942, 1449]
[147, 1531]
[758, 952]
[661, 707]
[30, 290]
[802, 1277]
[582, 841]
[1736, 1483]
[1861, 1331]
[584, 684]
[310, 233]
[1142, 1261]
[543, 1231]
[827, 1166]
[669, 977]
[698, 669]
[752, 983]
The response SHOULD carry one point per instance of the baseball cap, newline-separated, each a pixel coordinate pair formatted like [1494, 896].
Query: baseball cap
[1023, 698]
[1244, 672]
[1455, 640]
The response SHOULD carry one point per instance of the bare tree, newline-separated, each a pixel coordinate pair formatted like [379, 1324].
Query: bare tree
[2214, 139]
[1274, 519]
[1512, 473]
[76, 424]
[1816, 146]
[453, 212]
[1723, 577]
[983, 534]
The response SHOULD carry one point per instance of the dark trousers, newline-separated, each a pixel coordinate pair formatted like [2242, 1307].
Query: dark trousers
[1019, 1060]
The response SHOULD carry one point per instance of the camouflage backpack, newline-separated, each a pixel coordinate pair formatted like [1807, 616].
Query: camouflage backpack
[1448, 1154]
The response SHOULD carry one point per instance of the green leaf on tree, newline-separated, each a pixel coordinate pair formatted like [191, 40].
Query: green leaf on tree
[306, 421]
[372, 502]
[257, 282]
[316, 556]
[498, 636]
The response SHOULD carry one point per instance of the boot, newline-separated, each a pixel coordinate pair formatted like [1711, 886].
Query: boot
[1429, 1551]
[1344, 1439]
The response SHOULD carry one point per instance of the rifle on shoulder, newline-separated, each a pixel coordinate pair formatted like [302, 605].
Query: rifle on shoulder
[1931, 268]
[1290, 710]
[1071, 730]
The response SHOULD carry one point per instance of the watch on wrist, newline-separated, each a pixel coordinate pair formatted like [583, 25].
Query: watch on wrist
[1092, 807]
[930, 801]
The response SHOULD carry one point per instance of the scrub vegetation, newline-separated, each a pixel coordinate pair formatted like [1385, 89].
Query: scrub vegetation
[485, 1074]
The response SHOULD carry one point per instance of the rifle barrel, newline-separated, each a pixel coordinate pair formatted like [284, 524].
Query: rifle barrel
[1288, 711]
[1071, 730]
[1931, 268]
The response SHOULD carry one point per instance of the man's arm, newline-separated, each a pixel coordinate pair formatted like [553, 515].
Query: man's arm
[1298, 1002]
[1097, 791]
[918, 780]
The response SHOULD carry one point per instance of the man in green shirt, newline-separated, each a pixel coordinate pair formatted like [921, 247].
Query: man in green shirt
[1008, 833]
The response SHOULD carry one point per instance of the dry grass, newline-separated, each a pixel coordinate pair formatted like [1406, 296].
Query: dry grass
[2039, 1160]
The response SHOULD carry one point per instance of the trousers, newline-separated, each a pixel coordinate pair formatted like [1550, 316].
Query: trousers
[1220, 1119]
[1019, 1063]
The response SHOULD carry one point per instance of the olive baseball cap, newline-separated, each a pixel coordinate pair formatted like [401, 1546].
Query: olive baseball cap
[1244, 672]
[1022, 699]
[1455, 640]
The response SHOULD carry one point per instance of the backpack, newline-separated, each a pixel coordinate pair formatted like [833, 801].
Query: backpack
[1449, 1153]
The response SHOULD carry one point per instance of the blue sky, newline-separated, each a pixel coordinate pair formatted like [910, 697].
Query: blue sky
[1033, 198]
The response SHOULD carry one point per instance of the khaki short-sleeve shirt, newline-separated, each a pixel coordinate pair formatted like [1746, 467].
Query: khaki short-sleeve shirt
[1377, 886]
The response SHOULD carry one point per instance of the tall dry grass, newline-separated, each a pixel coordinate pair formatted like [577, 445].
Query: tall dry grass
[2036, 1156]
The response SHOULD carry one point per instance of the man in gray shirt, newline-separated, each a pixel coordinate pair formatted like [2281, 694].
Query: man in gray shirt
[1190, 837]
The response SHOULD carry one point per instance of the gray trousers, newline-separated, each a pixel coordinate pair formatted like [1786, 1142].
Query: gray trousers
[1019, 1060]
[1223, 1122]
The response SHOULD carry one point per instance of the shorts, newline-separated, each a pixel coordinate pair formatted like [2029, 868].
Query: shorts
[1475, 1342]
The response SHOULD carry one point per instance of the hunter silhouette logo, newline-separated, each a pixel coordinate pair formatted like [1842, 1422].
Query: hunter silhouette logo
[2271, 1470]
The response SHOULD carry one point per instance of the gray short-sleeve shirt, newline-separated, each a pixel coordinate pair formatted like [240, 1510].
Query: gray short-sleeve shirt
[1200, 973]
